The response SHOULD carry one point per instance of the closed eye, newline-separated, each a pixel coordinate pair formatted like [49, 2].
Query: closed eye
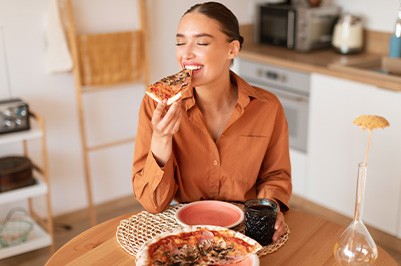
[180, 44]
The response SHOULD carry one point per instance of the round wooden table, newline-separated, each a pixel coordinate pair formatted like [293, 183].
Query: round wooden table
[311, 242]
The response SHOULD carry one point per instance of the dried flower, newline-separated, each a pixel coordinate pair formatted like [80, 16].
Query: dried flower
[370, 122]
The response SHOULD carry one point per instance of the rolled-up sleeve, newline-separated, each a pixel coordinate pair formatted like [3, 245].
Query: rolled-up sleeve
[153, 186]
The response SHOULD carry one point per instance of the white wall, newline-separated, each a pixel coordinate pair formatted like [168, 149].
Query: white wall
[23, 75]
[379, 15]
[53, 97]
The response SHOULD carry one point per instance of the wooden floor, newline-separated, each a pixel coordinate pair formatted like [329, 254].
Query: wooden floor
[78, 221]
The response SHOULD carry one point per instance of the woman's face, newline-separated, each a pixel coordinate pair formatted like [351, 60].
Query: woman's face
[202, 46]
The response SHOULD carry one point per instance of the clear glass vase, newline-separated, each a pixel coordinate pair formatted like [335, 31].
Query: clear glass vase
[356, 245]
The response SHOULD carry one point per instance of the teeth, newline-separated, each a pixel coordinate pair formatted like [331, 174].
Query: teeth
[193, 67]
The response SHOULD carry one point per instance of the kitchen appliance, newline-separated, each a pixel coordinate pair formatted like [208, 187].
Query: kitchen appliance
[348, 35]
[14, 115]
[292, 89]
[302, 28]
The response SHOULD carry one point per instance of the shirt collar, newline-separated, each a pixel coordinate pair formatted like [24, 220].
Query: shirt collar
[188, 98]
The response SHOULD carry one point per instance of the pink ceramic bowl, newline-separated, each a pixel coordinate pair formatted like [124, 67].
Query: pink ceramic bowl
[210, 212]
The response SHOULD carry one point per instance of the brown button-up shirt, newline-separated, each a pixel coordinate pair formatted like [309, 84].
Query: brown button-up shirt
[249, 160]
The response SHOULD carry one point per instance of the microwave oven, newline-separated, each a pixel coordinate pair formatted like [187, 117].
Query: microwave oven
[296, 27]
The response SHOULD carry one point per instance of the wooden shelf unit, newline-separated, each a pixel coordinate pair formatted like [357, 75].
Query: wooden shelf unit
[43, 230]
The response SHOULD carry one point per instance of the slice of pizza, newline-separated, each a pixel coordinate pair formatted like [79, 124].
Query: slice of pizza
[197, 245]
[170, 88]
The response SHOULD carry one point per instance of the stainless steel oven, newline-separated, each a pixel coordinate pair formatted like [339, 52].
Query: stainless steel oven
[292, 89]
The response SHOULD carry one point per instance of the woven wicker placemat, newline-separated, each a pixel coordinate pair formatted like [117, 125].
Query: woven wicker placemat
[135, 231]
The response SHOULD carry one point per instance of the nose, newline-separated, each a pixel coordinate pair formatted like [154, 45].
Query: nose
[188, 51]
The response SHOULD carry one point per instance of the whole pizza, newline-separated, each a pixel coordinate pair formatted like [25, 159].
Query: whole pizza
[170, 88]
[197, 245]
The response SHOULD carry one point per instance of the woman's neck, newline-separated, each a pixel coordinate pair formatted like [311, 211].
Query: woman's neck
[216, 97]
[216, 104]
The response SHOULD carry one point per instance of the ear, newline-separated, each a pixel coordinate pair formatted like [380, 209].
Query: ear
[234, 49]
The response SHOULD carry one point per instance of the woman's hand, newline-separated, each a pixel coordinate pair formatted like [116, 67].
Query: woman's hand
[165, 122]
[279, 226]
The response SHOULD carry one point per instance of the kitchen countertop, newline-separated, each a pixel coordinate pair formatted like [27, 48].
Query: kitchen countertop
[325, 61]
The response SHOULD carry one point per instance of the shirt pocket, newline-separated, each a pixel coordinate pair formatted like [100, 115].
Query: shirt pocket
[250, 153]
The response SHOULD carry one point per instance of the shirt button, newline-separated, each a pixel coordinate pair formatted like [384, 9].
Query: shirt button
[215, 162]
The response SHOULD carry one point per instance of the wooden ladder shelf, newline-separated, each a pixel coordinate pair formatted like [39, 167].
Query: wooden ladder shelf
[102, 62]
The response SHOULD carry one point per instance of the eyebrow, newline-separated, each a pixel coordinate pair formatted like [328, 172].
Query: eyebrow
[180, 35]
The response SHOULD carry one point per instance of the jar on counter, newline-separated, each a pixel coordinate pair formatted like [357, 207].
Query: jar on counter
[395, 39]
[348, 34]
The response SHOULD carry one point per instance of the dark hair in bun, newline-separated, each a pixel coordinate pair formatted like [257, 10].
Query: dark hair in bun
[227, 20]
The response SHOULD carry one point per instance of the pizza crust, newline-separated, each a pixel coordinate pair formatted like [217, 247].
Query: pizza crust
[143, 256]
[170, 87]
[169, 101]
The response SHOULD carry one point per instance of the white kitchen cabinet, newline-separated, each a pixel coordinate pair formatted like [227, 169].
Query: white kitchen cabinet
[42, 233]
[336, 145]
[299, 172]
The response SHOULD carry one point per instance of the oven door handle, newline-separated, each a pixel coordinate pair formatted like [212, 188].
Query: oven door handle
[291, 29]
[291, 96]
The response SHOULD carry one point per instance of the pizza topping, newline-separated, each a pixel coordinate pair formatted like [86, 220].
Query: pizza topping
[200, 247]
[178, 79]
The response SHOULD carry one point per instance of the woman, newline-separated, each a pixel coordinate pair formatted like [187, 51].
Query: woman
[224, 139]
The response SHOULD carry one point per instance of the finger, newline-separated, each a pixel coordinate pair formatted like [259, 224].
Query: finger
[158, 113]
[172, 112]
[169, 119]
[277, 236]
[176, 125]
[278, 224]
[279, 220]
[173, 124]
[278, 233]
